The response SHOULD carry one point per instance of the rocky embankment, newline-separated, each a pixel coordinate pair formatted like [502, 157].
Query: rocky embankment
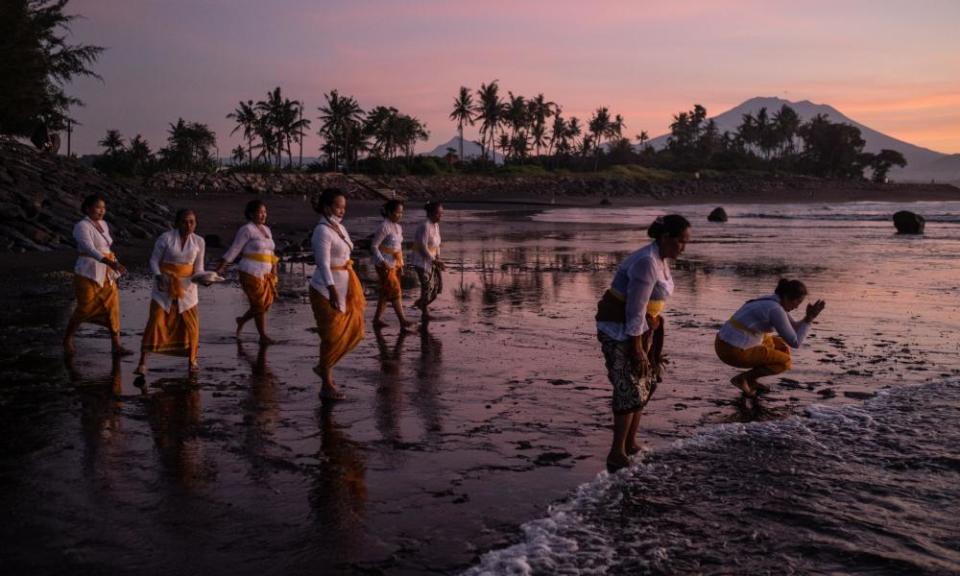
[358, 187]
[40, 196]
[547, 188]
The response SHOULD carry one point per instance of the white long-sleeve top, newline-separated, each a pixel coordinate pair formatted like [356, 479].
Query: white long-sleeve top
[251, 239]
[643, 276]
[92, 246]
[330, 250]
[389, 235]
[763, 315]
[427, 236]
[169, 249]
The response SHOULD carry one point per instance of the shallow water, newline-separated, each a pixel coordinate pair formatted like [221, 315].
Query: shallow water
[454, 437]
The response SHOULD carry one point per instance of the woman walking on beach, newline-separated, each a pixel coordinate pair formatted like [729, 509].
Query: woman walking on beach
[173, 326]
[95, 276]
[746, 340]
[258, 267]
[630, 329]
[426, 257]
[387, 250]
[336, 295]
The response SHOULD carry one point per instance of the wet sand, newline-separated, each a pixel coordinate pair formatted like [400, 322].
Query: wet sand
[450, 439]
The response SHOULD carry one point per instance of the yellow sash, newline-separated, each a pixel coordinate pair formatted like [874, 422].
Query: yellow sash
[397, 255]
[174, 272]
[266, 258]
[744, 328]
[422, 248]
[654, 307]
[348, 265]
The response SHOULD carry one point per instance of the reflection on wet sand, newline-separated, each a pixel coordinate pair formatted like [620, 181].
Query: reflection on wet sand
[338, 495]
[389, 387]
[426, 397]
[100, 420]
[260, 410]
[174, 416]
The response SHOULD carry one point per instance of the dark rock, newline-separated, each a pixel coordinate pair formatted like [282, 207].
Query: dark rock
[908, 223]
[717, 215]
[605, 202]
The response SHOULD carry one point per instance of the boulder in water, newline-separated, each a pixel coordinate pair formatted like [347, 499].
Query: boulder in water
[718, 215]
[908, 223]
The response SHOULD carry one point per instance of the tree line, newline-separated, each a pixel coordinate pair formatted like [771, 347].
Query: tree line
[517, 129]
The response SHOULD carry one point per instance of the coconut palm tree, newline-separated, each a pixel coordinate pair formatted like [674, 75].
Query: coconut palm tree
[238, 155]
[599, 128]
[490, 112]
[113, 142]
[341, 124]
[462, 113]
[246, 117]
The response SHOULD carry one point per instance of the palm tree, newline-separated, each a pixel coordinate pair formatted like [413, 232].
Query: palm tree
[462, 113]
[642, 139]
[113, 142]
[599, 127]
[490, 112]
[342, 120]
[247, 119]
[237, 155]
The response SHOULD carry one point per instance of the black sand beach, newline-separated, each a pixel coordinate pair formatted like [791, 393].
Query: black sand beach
[451, 438]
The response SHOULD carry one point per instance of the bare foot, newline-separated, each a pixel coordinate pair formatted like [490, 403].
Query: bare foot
[378, 323]
[741, 383]
[140, 370]
[331, 394]
[617, 462]
[194, 367]
[240, 322]
[267, 341]
[68, 348]
[631, 450]
[409, 326]
[121, 351]
[760, 387]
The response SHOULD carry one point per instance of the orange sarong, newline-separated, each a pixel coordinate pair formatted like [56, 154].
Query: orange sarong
[173, 332]
[389, 282]
[260, 291]
[773, 354]
[97, 304]
[340, 332]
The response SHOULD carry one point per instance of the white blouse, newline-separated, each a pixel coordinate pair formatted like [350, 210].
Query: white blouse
[92, 246]
[389, 235]
[763, 315]
[428, 236]
[642, 277]
[330, 250]
[168, 249]
[251, 239]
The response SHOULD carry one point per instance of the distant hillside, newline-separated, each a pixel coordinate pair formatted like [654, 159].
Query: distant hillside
[471, 150]
[923, 164]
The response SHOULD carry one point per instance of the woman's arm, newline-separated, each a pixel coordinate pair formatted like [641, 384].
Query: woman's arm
[322, 245]
[239, 241]
[642, 278]
[379, 236]
[201, 254]
[86, 241]
[159, 247]
[784, 326]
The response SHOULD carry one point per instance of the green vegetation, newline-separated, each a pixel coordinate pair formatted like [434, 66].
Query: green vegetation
[35, 63]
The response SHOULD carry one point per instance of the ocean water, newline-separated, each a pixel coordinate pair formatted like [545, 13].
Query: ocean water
[870, 489]
[871, 486]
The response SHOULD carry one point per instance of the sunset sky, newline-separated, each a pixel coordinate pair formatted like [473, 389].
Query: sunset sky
[893, 65]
